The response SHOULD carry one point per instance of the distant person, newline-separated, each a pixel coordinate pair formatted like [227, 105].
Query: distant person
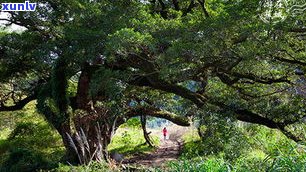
[165, 133]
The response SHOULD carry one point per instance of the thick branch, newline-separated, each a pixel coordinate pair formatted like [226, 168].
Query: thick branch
[144, 129]
[290, 61]
[202, 3]
[19, 105]
[176, 5]
[254, 118]
[196, 98]
[153, 81]
[297, 30]
[163, 11]
[155, 112]
[248, 116]
[260, 79]
[226, 78]
[290, 135]
[189, 8]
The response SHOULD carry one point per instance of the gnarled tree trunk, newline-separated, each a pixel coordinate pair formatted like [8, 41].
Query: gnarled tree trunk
[143, 119]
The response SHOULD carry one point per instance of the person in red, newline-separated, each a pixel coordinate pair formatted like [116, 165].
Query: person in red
[165, 133]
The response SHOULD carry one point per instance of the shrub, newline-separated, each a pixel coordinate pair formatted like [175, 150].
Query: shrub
[92, 167]
[199, 164]
[29, 147]
[24, 160]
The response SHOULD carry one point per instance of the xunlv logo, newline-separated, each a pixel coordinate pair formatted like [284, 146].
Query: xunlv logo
[26, 6]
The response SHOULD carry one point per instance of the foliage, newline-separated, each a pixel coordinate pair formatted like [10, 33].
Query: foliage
[266, 151]
[132, 123]
[92, 167]
[219, 134]
[32, 144]
[24, 160]
[209, 165]
[217, 61]
[126, 41]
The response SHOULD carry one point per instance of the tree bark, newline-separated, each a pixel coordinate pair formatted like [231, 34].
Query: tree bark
[144, 129]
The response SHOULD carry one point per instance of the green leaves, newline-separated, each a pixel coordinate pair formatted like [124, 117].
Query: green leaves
[108, 83]
[127, 41]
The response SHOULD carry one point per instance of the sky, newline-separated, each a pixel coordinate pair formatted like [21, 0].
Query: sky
[13, 27]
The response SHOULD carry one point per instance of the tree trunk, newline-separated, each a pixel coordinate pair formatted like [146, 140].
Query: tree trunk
[71, 156]
[144, 129]
[93, 136]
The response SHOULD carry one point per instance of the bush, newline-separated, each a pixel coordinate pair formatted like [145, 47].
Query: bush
[34, 136]
[199, 164]
[264, 150]
[132, 123]
[24, 160]
[29, 147]
[292, 160]
[22, 130]
[218, 136]
[92, 167]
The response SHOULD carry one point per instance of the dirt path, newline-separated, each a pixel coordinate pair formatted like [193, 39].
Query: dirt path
[168, 150]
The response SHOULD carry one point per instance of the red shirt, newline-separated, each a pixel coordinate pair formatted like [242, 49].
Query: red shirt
[165, 131]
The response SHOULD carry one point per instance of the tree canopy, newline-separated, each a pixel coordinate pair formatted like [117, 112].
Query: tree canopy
[105, 61]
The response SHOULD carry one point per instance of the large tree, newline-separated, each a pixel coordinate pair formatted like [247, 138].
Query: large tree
[91, 65]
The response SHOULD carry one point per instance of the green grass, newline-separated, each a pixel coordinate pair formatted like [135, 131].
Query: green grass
[5, 132]
[29, 142]
[129, 141]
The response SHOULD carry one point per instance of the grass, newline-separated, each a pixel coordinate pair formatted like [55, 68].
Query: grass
[130, 141]
[5, 132]
[28, 142]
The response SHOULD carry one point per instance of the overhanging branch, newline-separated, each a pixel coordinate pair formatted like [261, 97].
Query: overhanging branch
[19, 105]
[254, 118]
[155, 112]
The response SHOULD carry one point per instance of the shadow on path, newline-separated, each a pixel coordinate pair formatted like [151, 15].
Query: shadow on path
[167, 151]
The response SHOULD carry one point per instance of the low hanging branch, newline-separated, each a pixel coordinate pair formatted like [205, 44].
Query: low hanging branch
[200, 100]
[18, 105]
[155, 112]
[254, 118]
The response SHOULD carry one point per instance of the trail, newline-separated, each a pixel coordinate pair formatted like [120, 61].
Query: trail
[168, 150]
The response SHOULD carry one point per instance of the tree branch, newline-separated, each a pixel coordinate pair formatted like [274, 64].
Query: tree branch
[19, 105]
[163, 11]
[189, 8]
[254, 118]
[297, 30]
[155, 112]
[200, 100]
[290, 61]
[226, 78]
[261, 79]
[202, 3]
[176, 5]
